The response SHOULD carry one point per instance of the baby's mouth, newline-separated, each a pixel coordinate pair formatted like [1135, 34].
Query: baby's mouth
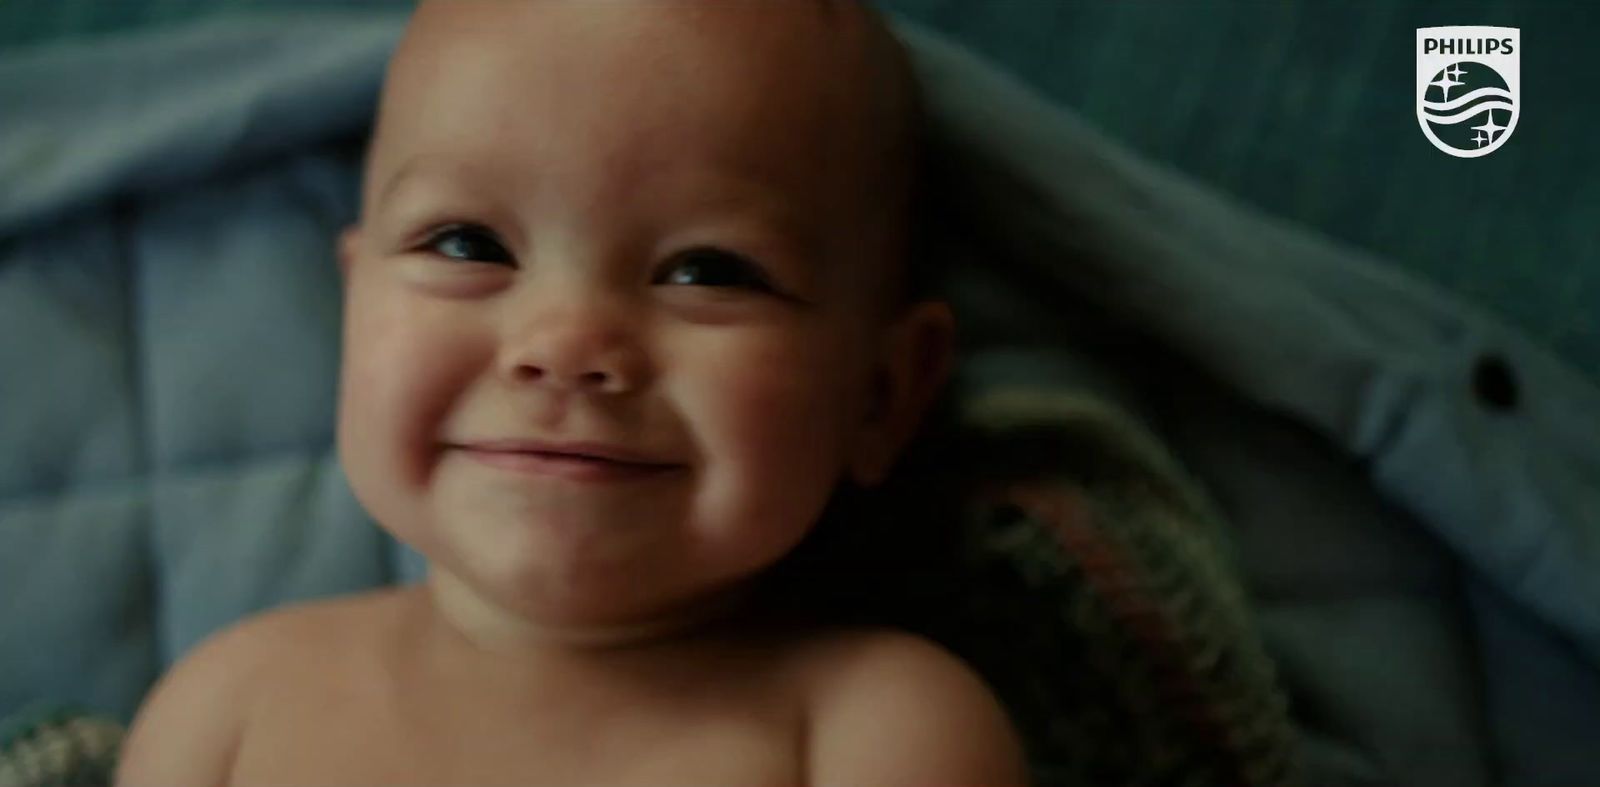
[583, 462]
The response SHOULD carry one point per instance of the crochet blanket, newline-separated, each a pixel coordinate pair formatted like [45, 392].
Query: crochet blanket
[1047, 537]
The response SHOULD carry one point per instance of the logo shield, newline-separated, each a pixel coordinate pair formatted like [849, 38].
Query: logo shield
[1469, 87]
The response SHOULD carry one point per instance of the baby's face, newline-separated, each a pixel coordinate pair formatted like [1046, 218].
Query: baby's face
[646, 231]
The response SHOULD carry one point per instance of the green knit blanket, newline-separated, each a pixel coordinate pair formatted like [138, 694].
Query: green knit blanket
[57, 746]
[1111, 622]
[1048, 539]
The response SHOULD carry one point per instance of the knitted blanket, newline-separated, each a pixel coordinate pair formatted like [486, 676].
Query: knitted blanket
[50, 746]
[1047, 538]
[1116, 632]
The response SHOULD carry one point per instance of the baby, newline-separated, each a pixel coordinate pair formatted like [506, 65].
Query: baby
[626, 303]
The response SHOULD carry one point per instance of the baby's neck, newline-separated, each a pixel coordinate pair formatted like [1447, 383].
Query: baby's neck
[482, 625]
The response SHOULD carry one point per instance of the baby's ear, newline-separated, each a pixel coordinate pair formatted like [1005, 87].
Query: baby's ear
[912, 367]
[348, 245]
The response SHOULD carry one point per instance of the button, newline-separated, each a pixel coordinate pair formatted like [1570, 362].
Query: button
[1494, 383]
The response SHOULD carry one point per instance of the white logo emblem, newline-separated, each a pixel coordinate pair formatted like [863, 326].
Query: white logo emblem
[1469, 87]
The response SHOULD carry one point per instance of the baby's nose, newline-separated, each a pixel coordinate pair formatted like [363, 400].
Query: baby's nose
[595, 380]
[590, 349]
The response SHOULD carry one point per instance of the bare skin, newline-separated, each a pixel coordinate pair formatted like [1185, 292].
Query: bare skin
[672, 228]
[400, 697]
[377, 690]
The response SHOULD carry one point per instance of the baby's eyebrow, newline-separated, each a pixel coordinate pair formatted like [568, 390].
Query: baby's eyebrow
[422, 167]
[778, 220]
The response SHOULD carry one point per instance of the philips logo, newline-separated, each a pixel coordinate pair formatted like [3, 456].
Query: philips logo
[1468, 87]
[1468, 46]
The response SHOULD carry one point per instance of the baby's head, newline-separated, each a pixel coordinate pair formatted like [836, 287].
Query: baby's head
[545, 177]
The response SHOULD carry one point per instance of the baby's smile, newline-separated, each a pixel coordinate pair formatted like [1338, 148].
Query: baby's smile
[581, 462]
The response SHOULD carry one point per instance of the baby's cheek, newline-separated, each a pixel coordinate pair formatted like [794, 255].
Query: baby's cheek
[361, 433]
[777, 426]
[399, 371]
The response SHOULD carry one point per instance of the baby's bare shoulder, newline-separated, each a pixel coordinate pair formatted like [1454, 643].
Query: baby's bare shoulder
[189, 727]
[843, 663]
[325, 623]
[889, 708]
[298, 633]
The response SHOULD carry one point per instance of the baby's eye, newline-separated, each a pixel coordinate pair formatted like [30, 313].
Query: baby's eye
[713, 267]
[468, 243]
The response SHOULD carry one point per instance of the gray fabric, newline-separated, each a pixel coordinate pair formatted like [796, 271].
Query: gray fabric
[169, 306]
[168, 309]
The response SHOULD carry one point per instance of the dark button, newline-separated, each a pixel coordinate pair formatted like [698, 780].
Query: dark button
[1494, 383]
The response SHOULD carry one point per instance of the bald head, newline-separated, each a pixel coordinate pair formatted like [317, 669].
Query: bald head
[583, 100]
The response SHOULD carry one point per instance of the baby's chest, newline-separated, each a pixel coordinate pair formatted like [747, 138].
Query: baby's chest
[322, 735]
